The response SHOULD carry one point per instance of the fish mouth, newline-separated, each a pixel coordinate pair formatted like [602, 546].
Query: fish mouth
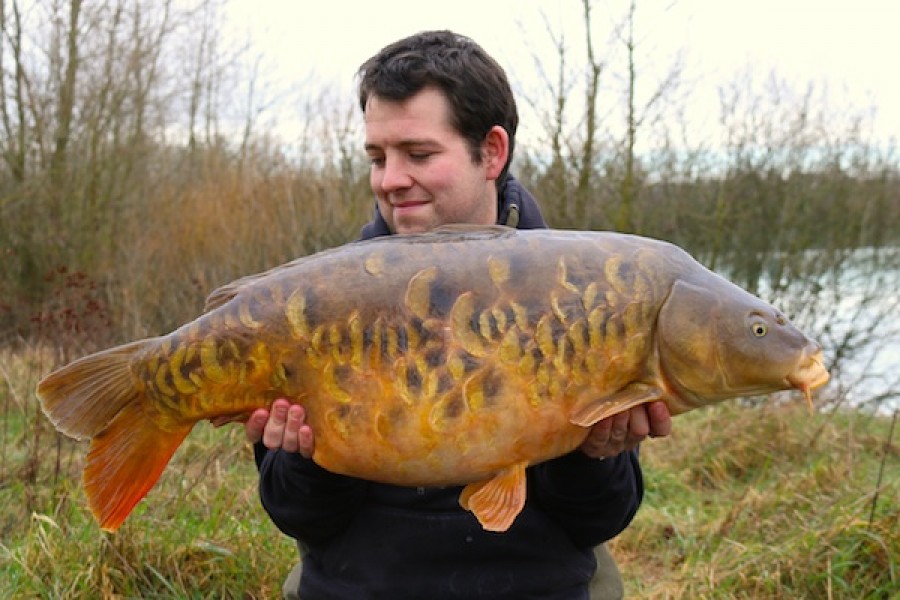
[809, 374]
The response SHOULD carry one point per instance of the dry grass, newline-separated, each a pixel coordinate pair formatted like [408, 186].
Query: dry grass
[767, 503]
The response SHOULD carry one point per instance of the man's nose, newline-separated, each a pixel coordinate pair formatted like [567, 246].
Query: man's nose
[395, 176]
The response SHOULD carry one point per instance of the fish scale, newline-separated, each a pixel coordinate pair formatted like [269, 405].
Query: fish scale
[456, 357]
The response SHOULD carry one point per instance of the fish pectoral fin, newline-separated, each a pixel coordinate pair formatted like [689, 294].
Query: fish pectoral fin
[124, 461]
[598, 409]
[497, 502]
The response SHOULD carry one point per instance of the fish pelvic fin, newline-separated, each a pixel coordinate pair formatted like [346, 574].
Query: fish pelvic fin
[498, 501]
[81, 398]
[625, 399]
[125, 460]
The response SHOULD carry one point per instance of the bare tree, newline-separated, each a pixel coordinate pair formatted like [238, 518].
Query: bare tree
[584, 189]
[550, 103]
[69, 66]
[13, 103]
[638, 111]
[572, 149]
[580, 176]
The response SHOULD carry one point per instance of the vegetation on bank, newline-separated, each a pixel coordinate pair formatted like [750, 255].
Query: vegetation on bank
[742, 502]
[768, 502]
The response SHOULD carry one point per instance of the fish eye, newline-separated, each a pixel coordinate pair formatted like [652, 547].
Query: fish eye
[759, 329]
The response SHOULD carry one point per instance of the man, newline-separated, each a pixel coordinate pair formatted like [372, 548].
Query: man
[440, 123]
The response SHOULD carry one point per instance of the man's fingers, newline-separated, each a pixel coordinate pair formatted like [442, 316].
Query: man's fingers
[305, 438]
[639, 424]
[294, 420]
[273, 435]
[306, 441]
[599, 435]
[626, 430]
[620, 426]
[253, 428]
[660, 420]
[599, 441]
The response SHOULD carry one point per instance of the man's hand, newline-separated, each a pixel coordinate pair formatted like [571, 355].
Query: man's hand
[626, 430]
[284, 426]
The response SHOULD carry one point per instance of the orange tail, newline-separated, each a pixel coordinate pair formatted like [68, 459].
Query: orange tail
[96, 397]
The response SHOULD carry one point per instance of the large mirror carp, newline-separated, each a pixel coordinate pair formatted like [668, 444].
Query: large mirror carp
[456, 357]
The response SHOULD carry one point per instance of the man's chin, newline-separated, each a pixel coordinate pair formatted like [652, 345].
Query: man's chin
[414, 218]
[413, 226]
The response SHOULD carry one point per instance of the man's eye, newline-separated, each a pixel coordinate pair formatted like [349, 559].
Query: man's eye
[420, 156]
[376, 161]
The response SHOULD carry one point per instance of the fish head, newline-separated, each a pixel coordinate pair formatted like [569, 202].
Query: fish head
[718, 341]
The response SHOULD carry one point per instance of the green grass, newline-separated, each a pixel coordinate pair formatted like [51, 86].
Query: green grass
[765, 502]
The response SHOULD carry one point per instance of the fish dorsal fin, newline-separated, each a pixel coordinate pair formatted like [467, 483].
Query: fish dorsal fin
[497, 502]
[221, 296]
[225, 293]
[607, 406]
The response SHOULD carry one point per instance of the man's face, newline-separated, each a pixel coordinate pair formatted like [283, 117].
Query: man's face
[422, 172]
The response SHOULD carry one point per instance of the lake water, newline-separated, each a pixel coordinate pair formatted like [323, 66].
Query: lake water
[872, 303]
[857, 316]
[854, 312]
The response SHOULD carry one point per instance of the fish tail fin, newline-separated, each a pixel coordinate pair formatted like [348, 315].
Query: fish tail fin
[81, 398]
[97, 397]
[125, 460]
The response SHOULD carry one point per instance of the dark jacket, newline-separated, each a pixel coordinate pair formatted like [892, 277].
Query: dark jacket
[369, 540]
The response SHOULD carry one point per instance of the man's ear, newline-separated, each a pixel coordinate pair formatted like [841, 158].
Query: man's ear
[495, 151]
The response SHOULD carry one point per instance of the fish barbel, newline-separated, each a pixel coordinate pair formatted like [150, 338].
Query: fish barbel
[456, 357]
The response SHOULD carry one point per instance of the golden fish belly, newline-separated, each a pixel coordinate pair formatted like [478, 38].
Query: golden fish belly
[453, 438]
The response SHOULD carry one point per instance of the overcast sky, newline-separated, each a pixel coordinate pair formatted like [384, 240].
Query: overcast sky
[853, 45]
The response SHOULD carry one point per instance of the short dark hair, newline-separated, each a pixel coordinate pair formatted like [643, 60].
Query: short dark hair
[474, 83]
